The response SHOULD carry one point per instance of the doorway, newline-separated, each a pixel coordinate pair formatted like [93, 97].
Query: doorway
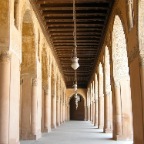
[77, 114]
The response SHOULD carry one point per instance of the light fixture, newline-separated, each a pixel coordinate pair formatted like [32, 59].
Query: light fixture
[77, 99]
[74, 59]
[75, 95]
[75, 82]
[75, 63]
[75, 87]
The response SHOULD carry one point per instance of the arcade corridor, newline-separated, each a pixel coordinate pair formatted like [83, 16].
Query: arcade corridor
[57, 56]
[76, 132]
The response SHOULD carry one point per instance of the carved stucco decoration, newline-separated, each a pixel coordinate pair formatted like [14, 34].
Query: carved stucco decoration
[28, 46]
[5, 56]
[34, 82]
[119, 51]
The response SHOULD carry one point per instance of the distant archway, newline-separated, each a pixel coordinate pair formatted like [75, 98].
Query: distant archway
[79, 113]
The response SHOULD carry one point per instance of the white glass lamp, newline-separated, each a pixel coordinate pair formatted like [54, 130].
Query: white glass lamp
[75, 63]
[75, 87]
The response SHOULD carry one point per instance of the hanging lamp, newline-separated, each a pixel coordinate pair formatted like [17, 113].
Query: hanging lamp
[74, 59]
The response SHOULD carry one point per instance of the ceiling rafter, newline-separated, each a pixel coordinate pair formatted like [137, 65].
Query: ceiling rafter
[91, 19]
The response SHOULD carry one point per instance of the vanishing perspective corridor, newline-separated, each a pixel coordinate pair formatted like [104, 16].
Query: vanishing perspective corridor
[71, 71]
[76, 132]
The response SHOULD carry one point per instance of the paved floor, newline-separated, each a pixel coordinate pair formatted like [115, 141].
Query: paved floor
[76, 132]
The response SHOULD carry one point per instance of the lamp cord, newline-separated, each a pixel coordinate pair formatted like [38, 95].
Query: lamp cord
[74, 33]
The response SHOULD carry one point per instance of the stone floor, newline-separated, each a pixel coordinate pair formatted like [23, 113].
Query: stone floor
[76, 132]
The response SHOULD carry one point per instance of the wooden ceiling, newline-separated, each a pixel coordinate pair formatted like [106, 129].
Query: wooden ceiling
[91, 18]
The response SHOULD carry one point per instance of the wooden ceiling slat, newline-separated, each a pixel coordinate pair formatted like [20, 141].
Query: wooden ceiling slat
[84, 17]
[88, 39]
[70, 25]
[84, 37]
[59, 11]
[91, 18]
[79, 30]
[59, 3]
[70, 14]
[70, 8]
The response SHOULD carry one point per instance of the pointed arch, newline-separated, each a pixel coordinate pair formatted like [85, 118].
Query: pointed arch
[122, 92]
[28, 99]
[119, 50]
[79, 113]
[28, 44]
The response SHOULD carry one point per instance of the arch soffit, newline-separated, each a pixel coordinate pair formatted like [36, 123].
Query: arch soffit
[118, 18]
[118, 13]
[27, 16]
[27, 10]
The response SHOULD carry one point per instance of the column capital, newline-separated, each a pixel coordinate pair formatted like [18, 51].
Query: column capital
[34, 82]
[96, 99]
[46, 91]
[130, 1]
[102, 95]
[21, 81]
[108, 93]
[108, 87]
[5, 56]
[58, 98]
[45, 85]
[116, 84]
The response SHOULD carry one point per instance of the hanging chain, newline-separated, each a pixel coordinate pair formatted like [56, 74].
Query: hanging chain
[74, 33]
